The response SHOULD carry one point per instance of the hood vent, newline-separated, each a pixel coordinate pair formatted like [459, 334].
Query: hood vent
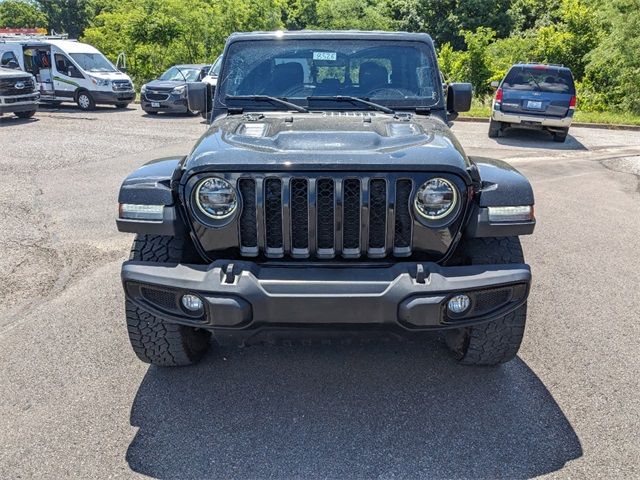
[403, 129]
[252, 129]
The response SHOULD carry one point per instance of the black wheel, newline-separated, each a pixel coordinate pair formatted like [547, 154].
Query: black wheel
[497, 341]
[28, 114]
[122, 105]
[495, 128]
[154, 340]
[560, 137]
[85, 101]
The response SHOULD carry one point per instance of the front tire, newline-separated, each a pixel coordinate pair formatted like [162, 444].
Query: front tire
[497, 341]
[85, 101]
[28, 114]
[153, 339]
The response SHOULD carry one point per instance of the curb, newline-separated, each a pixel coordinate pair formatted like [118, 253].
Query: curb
[603, 126]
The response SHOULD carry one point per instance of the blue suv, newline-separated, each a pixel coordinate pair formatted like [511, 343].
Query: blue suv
[534, 96]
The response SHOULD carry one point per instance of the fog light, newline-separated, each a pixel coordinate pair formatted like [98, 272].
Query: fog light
[193, 303]
[459, 304]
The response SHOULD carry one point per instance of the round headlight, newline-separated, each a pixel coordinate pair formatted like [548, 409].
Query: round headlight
[216, 198]
[436, 199]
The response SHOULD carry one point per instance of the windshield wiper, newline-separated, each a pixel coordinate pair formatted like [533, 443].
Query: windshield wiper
[535, 81]
[268, 98]
[350, 99]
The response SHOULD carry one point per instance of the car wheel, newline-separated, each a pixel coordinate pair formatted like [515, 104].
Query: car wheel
[497, 341]
[28, 114]
[495, 128]
[561, 136]
[153, 339]
[85, 101]
[122, 105]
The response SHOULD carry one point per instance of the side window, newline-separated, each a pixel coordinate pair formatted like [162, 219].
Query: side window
[9, 60]
[61, 64]
[64, 66]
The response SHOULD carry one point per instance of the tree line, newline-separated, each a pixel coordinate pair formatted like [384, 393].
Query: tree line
[477, 40]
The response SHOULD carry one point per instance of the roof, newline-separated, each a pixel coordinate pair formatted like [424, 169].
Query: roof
[71, 46]
[540, 65]
[331, 34]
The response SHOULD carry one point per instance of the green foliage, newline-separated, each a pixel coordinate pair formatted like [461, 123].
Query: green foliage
[21, 14]
[69, 16]
[471, 65]
[347, 14]
[613, 71]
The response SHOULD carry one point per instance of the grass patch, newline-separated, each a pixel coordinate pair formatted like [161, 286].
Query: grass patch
[480, 110]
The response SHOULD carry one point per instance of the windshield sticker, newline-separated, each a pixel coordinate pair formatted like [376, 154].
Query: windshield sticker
[331, 56]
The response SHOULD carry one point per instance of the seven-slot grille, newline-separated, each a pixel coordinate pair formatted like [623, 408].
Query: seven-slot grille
[9, 86]
[325, 217]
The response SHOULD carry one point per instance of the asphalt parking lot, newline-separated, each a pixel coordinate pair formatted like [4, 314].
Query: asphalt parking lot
[76, 402]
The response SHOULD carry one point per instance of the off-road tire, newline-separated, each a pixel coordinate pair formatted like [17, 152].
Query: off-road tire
[497, 341]
[154, 340]
[28, 114]
[495, 129]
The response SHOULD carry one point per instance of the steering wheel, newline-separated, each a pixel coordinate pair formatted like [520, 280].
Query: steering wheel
[391, 91]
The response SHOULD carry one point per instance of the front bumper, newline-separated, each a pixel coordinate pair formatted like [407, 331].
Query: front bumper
[532, 121]
[171, 105]
[111, 98]
[243, 295]
[22, 103]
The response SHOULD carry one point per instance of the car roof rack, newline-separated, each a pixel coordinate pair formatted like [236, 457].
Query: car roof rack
[540, 63]
[28, 37]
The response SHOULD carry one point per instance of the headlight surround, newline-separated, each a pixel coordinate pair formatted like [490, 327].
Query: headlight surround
[181, 90]
[436, 199]
[216, 198]
[101, 82]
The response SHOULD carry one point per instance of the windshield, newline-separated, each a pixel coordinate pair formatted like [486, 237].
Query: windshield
[539, 78]
[93, 62]
[215, 68]
[179, 74]
[391, 73]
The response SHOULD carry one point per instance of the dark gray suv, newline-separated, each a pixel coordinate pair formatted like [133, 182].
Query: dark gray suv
[328, 193]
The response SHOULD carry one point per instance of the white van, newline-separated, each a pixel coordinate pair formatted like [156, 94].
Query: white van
[68, 71]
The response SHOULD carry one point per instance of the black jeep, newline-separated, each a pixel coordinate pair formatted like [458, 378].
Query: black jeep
[328, 193]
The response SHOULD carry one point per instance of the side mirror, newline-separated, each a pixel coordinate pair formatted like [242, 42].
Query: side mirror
[123, 69]
[199, 96]
[495, 84]
[12, 64]
[459, 97]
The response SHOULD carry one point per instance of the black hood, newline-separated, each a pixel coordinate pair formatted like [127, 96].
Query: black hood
[341, 140]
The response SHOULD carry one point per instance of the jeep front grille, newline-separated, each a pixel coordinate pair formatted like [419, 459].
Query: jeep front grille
[325, 217]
